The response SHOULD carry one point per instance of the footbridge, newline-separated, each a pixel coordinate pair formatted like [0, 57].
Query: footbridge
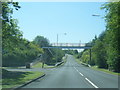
[70, 45]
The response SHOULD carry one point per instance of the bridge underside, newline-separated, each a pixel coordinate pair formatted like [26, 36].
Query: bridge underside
[69, 47]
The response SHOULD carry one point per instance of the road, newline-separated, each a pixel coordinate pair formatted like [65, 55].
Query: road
[74, 75]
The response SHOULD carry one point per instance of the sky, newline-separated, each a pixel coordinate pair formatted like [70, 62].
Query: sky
[51, 18]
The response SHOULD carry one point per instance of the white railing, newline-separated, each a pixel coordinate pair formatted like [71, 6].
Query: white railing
[68, 44]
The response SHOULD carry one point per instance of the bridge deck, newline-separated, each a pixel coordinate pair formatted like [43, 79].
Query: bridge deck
[69, 45]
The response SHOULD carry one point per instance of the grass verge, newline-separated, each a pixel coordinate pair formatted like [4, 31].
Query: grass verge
[13, 67]
[78, 61]
[100, 69]
[13, 79]
[39, 65]
[104, 70]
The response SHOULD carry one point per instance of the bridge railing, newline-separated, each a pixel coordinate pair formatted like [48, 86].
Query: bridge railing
[71, 44]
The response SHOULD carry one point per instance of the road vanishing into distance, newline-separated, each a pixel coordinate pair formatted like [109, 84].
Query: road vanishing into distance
[72, 75]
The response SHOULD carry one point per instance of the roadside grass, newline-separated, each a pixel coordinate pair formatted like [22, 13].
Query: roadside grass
[99, 69]
[64, 61]
[11, 79]
[78, 61]
[49, 66]
[104, 70]
[0, 83]
[13, 67]
[39, 65]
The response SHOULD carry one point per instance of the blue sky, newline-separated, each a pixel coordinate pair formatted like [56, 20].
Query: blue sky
[51, 18]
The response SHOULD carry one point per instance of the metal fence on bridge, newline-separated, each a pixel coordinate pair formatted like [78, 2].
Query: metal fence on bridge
[71, 44]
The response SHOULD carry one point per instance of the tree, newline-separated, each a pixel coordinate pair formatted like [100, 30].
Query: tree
[16, 51]
[113, 35]
[99, 54]
[85, 57]
[106, 48]
[41, 41]
[50, 56]
[10, 30]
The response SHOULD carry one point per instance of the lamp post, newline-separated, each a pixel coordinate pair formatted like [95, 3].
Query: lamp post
[57, 43]
[58, 37]
[96, 15]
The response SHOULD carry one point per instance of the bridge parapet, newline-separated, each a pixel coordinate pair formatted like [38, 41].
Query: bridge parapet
[70, 44]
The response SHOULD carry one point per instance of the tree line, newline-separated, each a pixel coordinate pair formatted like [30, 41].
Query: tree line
[16, 50]
[105, 49]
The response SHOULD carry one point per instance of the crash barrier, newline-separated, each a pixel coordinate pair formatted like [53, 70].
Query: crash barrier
[59, 63]
[86, 64]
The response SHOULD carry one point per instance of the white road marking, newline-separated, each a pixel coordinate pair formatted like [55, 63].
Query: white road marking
[87, 79]
[91, 83]
[79, 72]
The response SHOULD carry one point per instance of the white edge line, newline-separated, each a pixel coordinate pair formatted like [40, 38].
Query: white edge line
[91, 83]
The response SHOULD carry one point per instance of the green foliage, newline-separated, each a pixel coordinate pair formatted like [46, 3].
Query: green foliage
[50, 56]
[21, 54]
[41, 41]
[16, 51]
[112, 37]
[99, 54]
[85, 57]
[106, 48]
[72, 52]
[58, 54]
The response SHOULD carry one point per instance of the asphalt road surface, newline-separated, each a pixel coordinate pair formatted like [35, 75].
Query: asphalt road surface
[73, 75]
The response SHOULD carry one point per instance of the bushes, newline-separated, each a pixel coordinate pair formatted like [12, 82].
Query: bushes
[21, 55]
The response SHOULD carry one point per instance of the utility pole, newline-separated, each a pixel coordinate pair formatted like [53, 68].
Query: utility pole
[57, 39]
[79, 42]
[90, 57]
[43, 59]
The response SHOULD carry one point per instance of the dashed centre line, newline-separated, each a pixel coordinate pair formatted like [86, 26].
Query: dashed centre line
[91, 83]
[86, 79]
[79, 72]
